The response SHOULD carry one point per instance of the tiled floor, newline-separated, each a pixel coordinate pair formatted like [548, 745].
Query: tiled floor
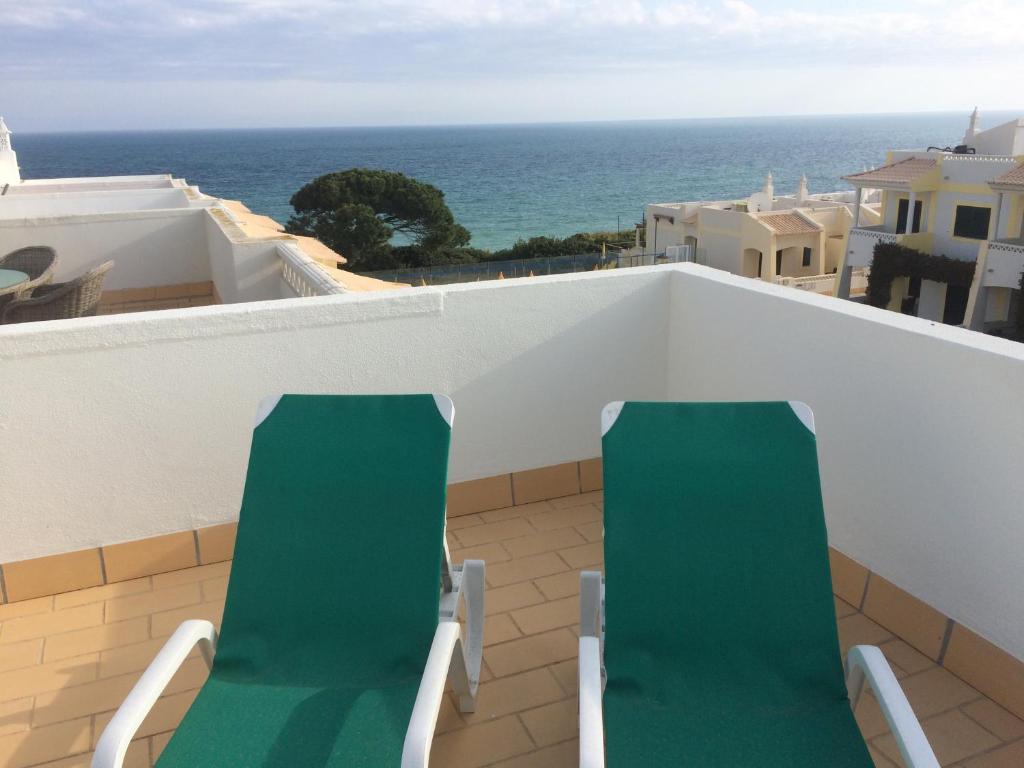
[67, 662]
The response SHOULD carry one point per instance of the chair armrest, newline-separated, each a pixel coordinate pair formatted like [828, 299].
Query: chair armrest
[591, 712]
[443, 654]
[866, 662]
[113, 744]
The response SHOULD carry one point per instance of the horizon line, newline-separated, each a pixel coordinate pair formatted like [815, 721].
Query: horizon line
[503, 124]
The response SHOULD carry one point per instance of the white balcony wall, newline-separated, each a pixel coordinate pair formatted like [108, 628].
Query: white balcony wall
[149, 248]
[920, 431]
[79, 203]
[137, 425]
[122, 427]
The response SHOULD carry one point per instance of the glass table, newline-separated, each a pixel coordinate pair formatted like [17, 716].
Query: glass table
[11, 277]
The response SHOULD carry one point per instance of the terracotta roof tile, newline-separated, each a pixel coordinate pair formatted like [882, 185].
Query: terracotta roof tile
[787, 223]
[902, 172]
[1013, 177]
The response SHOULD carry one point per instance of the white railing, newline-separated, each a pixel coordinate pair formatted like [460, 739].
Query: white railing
[825, 284]
[303, 274]
[861, 245]
[1004, 264]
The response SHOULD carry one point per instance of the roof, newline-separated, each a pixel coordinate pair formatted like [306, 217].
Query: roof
[1012, 178]
[788, 223]
[901, 173]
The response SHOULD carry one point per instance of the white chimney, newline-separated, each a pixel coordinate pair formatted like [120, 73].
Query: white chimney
[972, 129]
[801, 191]
[9, 173]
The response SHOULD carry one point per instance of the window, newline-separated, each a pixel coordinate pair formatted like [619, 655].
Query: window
[901, 216]
[971, 221]
[778, 262]
[807, 257]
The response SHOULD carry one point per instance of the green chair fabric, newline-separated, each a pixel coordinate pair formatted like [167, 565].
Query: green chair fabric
[721, 646]
[333, 596]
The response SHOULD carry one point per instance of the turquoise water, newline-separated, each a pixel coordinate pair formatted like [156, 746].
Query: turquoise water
[507, 182]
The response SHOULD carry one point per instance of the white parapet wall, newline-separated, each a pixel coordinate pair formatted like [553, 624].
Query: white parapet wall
[122, 427]
[920, 432]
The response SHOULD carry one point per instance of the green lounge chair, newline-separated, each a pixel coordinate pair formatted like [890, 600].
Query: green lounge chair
[720, 646]
[341, 622]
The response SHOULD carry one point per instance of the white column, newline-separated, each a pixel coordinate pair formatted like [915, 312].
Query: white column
[909, 226]
[994, 233]
[856, 207]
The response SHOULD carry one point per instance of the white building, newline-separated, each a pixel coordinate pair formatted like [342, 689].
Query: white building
[802, 234]
[967, 204]
[172, 245]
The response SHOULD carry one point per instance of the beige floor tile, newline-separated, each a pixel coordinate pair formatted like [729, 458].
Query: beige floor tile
[51, 623]
[592, 531]
[906, 658]
[858, 629]
[567, 674]
[99, 638]
[503, 599]
[843, 608]
[546, 616]
[548, 541]
[552, 723]
[15, 716]
[157, 742]
[214, 589]
[491, 553]
[995, 672]
[187, 575]
[578, 500]
[870, 718]
[48, 677]
[25, 608]
[525, 568]
[101, 594]
[953, 736]
[164, 623]
[481, 744]
[500, 629]
[563, 518]
[82, 700]
[995, 719]
[1011, 756]
[584, 556]
[153, 601]
[462, 521]
[848, 577]
[531, 652]
[515, 693]
[42, 744]
[591, 475]
[23, 654]
[564, 755]
[488, 532]
[880, 760]
[936, 690]
[559, 586]
[448, 718]
[523, 510]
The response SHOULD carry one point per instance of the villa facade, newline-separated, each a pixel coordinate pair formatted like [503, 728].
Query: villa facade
[792, 239]
[965, 203]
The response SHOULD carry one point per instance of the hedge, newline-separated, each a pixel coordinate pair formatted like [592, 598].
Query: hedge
[892, 260]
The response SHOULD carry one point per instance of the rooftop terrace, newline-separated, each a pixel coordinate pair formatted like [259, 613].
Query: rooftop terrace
[124, 458]
[69, 661]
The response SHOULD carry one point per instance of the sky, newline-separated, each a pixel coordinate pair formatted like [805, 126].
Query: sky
[140, 64]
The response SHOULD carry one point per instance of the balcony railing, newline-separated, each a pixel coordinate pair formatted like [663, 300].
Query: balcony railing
[825, 284]
[861, 245]
[302, 273]
[1004, 263]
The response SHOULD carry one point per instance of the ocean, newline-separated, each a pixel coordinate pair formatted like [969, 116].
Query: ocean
[505, 182]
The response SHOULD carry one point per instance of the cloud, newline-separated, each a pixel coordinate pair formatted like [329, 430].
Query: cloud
[403, 40]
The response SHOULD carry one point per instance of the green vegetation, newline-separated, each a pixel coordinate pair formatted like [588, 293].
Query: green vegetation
[892, 260]
[359, 211]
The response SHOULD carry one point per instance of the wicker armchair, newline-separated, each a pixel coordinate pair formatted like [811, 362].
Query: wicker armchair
[76, 298]
[36, 261]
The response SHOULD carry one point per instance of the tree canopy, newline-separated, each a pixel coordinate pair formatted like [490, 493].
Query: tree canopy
[357, 213]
